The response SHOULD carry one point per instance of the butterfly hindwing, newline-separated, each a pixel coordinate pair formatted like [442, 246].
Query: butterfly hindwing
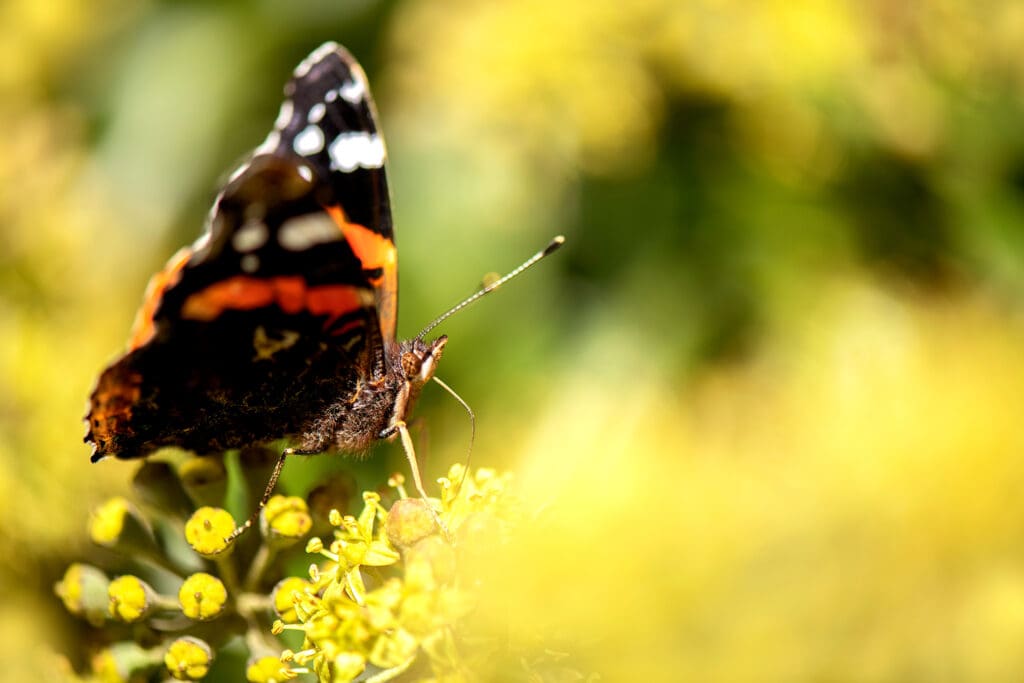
[284, 304]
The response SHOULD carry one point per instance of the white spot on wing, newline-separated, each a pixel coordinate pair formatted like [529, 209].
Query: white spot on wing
[306, 172]
[309, 141]
[250, 263]
[251, 236]
[331, 96]
[284, 117]
[316, 112]
[350, 151]
[353, 91]
[314, 57]
[303, 232]
[201, 242]
[269, 145]
[214, 221]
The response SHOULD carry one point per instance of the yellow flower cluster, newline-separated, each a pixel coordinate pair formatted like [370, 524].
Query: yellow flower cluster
[397, 584]
[393, 589]
[187, 592]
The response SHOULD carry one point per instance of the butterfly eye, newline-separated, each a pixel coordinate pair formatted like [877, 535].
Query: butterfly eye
[412, 362]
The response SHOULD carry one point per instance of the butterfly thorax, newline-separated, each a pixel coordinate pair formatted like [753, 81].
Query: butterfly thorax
[376, 406]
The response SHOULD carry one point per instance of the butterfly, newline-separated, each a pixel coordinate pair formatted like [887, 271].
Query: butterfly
[279, 320]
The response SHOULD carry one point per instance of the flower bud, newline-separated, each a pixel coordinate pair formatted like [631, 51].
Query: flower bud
[188, 658]
[208, 529]
[409, 521]
[83, 590]
[285, 519]
[205, 479]
[202, 596]
[131, 598]
[282, 594]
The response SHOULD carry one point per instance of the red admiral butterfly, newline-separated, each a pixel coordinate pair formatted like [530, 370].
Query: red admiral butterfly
[279, 321]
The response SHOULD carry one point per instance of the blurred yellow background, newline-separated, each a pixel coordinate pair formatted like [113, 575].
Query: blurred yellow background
[767, 400]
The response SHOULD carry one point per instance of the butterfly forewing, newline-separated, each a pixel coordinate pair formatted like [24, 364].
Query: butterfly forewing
[329, 119]
[288, 299]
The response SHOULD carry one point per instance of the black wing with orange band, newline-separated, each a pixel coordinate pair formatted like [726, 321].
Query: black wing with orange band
[284, 304]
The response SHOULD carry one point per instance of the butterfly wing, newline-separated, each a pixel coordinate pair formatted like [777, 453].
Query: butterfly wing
[329, 120]
[285, 303]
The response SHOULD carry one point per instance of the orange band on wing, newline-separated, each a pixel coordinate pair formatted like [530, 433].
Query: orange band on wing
[289, 293]
[144, 328]
[374, 251]
[334, 300]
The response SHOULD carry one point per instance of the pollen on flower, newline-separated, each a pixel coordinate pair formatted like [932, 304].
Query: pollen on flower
[207, 530]
[202, 596]
[314, 545]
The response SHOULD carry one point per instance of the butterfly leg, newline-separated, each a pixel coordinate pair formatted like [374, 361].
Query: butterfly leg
[419, 431]
[268, 492]
[410, 454]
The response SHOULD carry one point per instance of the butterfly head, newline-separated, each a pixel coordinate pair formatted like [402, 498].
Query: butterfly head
[419, 360]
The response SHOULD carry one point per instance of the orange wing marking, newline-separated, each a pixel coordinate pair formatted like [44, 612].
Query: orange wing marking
[289, 293]
[111, 406]
[374, 251]
[144, 328]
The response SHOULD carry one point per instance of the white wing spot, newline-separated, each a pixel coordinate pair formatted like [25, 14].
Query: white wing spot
[306, 172]
[202, 241]
[314, 57]
[331, 96]
[303, 232]
[350, 151]
[309, 141]
[284, 117]
[316, 112]
[353, 91]
[250, 263]
[269, 145]
[213, 222]
[251, 236]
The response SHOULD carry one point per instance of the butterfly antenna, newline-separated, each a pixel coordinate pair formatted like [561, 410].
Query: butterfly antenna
[552, 246]
[472, 430]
